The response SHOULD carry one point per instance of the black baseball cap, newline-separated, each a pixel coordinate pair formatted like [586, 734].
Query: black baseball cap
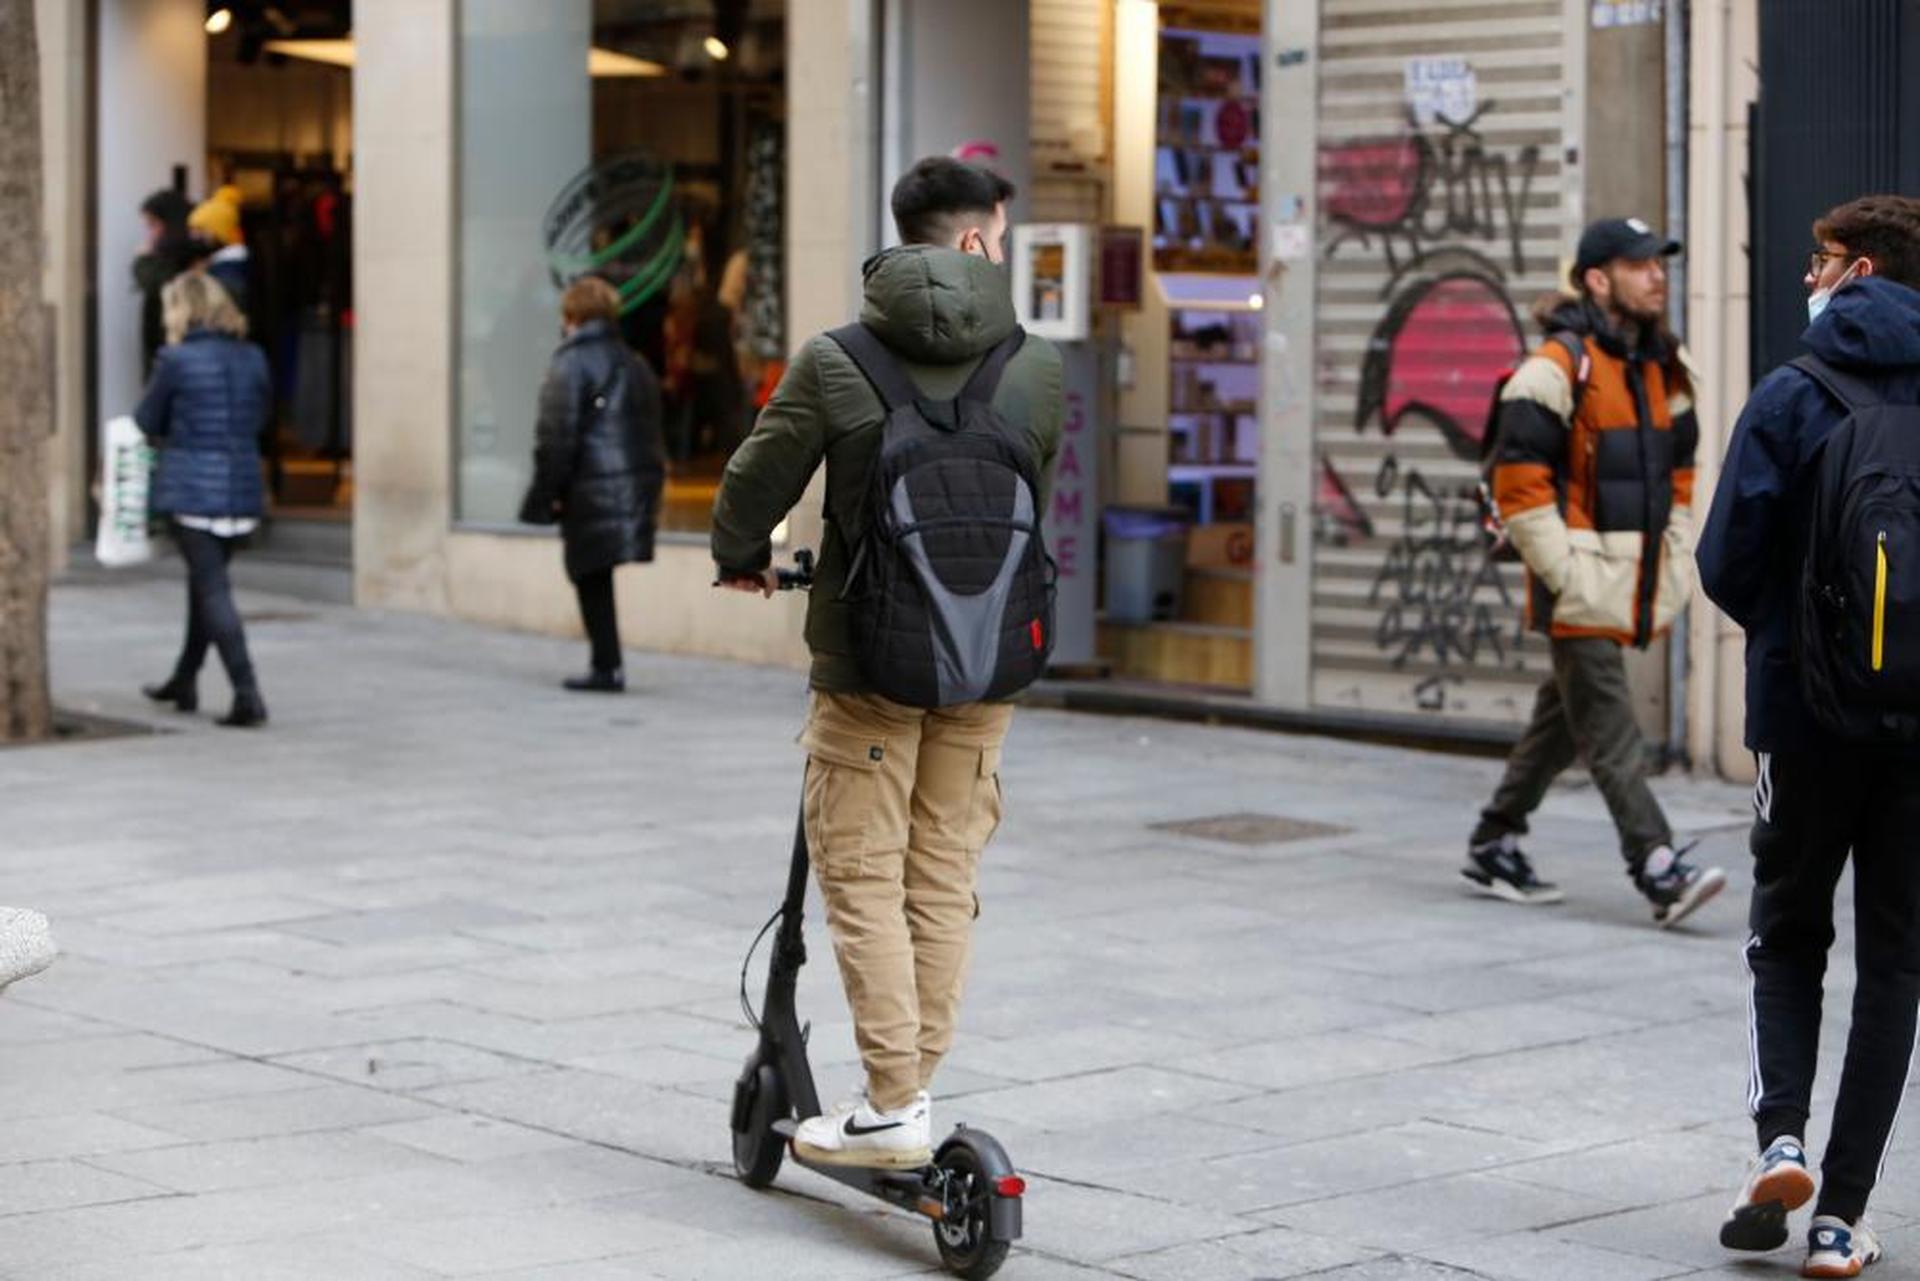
[1627, 238]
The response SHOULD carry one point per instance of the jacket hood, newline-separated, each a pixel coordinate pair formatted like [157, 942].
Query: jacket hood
[937, 306]
[1871, 324]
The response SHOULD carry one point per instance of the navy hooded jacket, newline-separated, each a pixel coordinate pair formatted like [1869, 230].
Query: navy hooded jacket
[206, 406]
[1755, 539]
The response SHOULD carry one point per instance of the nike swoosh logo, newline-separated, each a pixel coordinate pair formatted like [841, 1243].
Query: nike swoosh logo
[853, 1131]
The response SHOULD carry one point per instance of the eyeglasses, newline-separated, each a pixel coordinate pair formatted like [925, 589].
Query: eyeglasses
[1817, 260]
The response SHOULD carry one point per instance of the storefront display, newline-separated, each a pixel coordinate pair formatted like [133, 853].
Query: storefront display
[1207, 152]
[1190, 169]
[629, 142]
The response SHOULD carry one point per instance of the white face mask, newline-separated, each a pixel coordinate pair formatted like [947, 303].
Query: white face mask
[1817, 300]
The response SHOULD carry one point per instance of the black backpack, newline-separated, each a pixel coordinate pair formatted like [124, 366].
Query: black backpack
[1493, 529]
[1857, 625]
[950, 591]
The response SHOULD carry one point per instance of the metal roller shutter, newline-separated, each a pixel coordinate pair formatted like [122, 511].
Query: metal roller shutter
[1436, 238]
[1069, 131]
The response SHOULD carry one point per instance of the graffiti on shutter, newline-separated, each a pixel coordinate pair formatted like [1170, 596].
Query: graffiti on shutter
[1441, 133]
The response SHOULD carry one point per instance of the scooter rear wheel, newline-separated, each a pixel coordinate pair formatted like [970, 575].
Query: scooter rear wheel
[964, 1238]
[757, 1150]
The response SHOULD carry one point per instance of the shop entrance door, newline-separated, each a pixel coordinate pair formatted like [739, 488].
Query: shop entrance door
[279, 147]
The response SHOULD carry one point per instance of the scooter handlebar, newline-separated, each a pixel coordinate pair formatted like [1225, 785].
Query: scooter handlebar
[800, 577]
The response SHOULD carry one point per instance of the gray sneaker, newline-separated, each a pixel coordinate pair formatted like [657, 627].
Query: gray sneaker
[1681, 890]
[1500, 870]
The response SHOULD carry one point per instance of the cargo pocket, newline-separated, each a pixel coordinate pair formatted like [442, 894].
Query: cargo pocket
[842, 800]
[983, 814]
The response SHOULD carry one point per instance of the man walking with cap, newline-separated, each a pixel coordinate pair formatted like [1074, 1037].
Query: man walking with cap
[1593, 476]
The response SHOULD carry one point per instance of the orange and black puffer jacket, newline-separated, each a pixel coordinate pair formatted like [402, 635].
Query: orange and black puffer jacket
[1598, 498]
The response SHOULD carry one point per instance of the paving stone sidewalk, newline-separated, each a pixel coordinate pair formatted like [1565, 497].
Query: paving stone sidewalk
[437, 977]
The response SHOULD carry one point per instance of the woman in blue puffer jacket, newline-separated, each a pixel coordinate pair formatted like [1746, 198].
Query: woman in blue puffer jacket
[204, 410]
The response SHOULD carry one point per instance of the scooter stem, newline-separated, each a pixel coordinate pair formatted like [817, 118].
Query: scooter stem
[789, 943]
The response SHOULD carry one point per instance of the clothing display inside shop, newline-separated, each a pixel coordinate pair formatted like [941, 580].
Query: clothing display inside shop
[301, 313]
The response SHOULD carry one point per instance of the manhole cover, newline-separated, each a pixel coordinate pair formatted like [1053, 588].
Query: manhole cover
[1250, 829]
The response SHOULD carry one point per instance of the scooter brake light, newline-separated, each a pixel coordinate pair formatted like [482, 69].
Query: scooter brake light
[1010, 1185]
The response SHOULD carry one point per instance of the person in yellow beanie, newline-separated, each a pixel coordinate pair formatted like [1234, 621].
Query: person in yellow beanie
[218, 216]
[218, 219]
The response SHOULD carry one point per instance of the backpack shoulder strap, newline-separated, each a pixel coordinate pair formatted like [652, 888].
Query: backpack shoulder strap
[986, 378]
[1855, 393]
[882, 370]
[1582, 362]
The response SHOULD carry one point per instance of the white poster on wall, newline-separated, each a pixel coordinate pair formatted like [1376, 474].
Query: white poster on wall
[1626, 13]
[1441, 88]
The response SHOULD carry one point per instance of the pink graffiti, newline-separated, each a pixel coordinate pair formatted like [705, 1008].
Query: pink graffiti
[1372, 184]
[1340, 513]
[1445, 351]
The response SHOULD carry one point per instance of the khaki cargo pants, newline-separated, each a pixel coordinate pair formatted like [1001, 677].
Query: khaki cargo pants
[899, 804]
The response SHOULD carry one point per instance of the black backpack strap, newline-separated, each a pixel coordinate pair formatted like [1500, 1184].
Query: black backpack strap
[986, 379]
[878, 364]
[1850, 391]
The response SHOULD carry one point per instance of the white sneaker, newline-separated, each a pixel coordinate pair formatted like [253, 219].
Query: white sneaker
[1836, 1248]
[865, 1136]
[1778, 1184]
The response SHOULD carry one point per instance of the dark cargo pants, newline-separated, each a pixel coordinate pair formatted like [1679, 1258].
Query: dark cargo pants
[1583, 713]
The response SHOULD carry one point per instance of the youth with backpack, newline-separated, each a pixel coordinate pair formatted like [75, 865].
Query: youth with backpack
[938, 422]
[1813, 547]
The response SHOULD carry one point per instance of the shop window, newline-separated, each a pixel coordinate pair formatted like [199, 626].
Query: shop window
[1205, 235]
[642, 142]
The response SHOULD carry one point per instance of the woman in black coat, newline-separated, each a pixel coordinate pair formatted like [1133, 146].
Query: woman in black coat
[598, 467]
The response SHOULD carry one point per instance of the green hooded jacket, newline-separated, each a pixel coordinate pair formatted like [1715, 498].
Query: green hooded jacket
[939, 311]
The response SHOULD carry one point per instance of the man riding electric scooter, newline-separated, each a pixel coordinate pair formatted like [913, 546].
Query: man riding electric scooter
[938, 421]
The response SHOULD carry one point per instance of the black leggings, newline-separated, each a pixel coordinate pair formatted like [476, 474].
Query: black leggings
[211, 616]
[595, 590]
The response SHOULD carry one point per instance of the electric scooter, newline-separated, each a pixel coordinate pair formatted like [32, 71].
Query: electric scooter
[970, 1191]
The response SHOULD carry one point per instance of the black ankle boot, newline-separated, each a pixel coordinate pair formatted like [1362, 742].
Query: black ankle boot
[249, 711]
[181, 693]
[598, 681]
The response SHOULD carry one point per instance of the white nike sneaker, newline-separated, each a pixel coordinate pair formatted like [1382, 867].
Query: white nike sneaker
[1836, 1248]
[863, 1135]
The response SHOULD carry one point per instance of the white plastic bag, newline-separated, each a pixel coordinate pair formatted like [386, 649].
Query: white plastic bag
[26, 944]
[126, 469]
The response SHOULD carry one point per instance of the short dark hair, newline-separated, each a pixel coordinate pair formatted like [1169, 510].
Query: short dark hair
[1883, 228]
[934, 199]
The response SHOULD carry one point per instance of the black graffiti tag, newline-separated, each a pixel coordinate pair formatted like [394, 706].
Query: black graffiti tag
[1430, 585]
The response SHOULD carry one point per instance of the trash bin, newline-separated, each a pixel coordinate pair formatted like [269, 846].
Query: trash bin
[1146, 562]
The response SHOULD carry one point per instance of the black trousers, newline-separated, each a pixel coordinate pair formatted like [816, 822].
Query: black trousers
[595, 591]
[1584, 712]
[1813, 808]
[212, 620]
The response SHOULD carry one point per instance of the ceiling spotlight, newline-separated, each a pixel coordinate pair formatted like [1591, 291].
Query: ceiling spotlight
[717, 49]
[218, 21]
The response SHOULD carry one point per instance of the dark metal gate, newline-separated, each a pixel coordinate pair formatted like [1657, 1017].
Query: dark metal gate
[1838, 117]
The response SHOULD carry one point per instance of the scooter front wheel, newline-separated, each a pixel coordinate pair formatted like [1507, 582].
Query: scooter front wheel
[964, 1235]
[759, 1099]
